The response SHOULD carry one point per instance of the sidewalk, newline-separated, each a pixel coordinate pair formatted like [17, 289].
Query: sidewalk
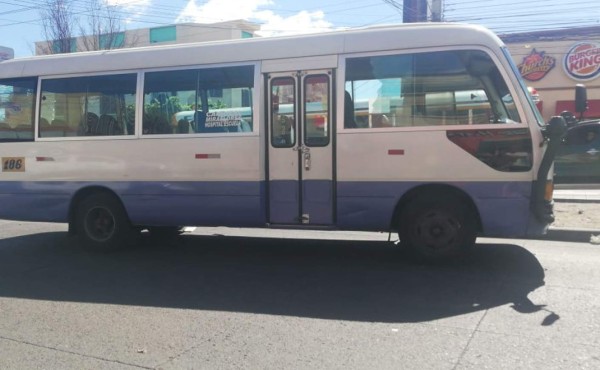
[575, 194]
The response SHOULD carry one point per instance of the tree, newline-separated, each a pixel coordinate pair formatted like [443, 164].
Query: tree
[58, 19]
[101, 27]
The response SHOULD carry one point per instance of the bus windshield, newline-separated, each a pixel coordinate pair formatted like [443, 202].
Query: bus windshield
[538, 115]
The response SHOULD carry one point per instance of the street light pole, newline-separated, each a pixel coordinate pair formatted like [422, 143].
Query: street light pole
[414, 11]
[437, 12]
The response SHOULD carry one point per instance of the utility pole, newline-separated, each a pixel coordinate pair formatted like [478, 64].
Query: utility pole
[414, 11]
[437, 10]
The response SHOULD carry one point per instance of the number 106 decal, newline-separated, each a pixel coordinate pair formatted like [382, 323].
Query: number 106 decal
[13, 164]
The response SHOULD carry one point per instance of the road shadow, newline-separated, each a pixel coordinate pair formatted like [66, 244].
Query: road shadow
[328, 279]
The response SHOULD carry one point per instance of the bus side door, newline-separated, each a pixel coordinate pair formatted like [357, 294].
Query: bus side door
[300, 148]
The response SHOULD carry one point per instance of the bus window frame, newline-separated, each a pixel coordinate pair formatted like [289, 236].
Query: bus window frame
[255, 100]
[38, 109]
[34, 107]
[496, 59]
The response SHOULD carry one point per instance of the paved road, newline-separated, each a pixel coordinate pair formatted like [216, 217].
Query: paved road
[215, 299]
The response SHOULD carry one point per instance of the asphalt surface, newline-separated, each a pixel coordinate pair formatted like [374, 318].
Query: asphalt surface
[221, 298]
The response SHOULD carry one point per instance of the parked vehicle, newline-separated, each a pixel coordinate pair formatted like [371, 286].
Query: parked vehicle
[578, 159]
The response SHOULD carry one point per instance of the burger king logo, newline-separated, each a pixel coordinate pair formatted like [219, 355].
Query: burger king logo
[582, 62]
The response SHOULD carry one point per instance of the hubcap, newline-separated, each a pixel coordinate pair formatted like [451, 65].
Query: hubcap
[438, 230]
[100, 224]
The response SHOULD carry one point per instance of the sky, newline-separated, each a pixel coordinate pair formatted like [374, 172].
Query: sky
[21, 21]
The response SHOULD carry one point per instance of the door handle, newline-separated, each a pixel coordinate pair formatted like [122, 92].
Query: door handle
[307, 160]
[305, 155]
[302, 149]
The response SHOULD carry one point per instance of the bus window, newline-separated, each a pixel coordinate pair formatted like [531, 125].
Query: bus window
[429, 89]
[316, 110]
[88, 106]
[17, 99]
[283, 110]
[210, 100]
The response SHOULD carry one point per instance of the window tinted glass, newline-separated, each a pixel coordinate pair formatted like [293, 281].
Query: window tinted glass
[316, 110]
[17, 99]
[283, 111]
[426, 89]
[214, 100]
[88, 106]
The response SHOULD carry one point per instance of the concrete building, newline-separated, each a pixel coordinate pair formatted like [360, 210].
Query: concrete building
[553, 62]
[163, 35]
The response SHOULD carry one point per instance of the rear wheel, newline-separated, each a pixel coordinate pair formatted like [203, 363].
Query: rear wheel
[102, 223]
[437, 228]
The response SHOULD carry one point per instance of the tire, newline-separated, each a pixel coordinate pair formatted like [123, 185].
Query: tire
[102, 223]
[436, 228]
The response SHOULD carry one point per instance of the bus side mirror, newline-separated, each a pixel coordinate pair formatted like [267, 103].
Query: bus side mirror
[556, 129]
[580, 99]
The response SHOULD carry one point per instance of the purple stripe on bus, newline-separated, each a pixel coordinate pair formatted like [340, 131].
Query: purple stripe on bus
[360, 205]
[370, 205]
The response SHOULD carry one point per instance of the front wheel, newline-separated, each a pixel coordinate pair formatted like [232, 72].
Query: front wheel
[102, 223]
[437, 228]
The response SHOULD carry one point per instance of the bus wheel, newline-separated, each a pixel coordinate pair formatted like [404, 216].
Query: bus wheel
[436, 228]
[102, 223]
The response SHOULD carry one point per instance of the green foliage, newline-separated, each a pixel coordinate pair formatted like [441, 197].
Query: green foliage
[216, 105]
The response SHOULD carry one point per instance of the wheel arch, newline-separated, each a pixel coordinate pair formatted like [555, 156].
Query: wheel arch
[82, 194]
[429, 190]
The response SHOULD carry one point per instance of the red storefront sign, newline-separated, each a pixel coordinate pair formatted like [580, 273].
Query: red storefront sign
[536, 65]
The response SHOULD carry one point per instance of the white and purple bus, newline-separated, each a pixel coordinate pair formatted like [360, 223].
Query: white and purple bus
[423, 129]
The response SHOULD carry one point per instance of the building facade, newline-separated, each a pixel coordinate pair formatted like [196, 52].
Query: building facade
[163, 35]
[553, 62]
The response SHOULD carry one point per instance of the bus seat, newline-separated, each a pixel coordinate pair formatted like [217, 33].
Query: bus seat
[107, 126]
[54, 129]
[349, 120]
[89, 123]
[183, 126]
[45, 129]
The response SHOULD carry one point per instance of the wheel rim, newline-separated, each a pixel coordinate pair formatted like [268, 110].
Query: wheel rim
[100, 224]
[437, 230]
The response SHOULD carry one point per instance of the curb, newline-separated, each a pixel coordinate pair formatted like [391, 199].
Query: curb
[575, 200]
[569, 235]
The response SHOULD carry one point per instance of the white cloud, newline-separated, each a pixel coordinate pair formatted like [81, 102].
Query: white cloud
[271, 23]
[302, 22]
[134, 8]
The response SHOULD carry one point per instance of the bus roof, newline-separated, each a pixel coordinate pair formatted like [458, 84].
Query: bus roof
[247, 50]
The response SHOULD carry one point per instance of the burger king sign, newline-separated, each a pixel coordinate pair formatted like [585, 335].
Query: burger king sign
[582, 61]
